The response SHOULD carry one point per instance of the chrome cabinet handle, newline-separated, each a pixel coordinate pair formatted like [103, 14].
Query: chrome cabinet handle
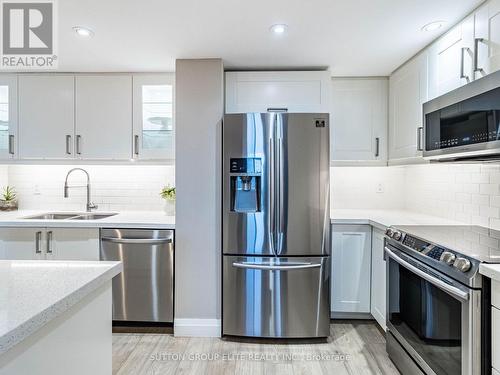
[137, 240]
[49, 242]
[272, 267]
[38, 239]
[420, 131]
[476, 54]
[457, 293]
[462, 64]
[78, 144]
[68, 144]
[11, 144]
[277, 110]
[136, 144]
[377, 147]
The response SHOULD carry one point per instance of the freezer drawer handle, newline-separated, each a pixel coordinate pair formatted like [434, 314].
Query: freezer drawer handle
[457, 293]
[281, 267]
[137, 240]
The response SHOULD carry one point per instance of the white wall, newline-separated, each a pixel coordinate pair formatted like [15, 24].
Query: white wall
[199, 105]
[465, 192]
[469, 193]
[113, 187]
[359, 187]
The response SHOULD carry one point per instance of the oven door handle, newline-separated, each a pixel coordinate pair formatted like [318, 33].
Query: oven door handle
[457, 293]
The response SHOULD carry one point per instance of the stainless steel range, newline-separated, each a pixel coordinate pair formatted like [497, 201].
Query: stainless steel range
[438, 308]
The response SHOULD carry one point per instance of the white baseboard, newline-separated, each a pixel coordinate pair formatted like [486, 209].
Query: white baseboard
[197, 327]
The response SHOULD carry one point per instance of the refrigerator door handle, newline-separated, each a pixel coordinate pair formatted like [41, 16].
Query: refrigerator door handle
[276, 267]
[272, 202]
[280, 185]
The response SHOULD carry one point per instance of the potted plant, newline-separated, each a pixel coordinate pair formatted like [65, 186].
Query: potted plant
[8, 201]
[168, 193]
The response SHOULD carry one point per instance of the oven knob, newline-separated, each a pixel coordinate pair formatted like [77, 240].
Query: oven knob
[448, 258]
[396, 235]
[389, 232]
[462, 264]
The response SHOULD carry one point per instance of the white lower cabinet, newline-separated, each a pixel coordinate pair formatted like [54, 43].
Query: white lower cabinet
[49, 243]
[495, 336]
[351, 263]
[378, 278]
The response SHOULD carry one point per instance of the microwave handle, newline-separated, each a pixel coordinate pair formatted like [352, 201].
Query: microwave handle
[420, 132]
[457, 293]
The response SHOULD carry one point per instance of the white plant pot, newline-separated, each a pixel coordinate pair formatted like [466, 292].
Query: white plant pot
[169, 207]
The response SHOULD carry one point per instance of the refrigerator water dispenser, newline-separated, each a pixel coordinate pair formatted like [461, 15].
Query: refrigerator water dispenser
[245, 185]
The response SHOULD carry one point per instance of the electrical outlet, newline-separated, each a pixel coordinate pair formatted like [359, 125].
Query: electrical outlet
[380, 188]
[36, 190]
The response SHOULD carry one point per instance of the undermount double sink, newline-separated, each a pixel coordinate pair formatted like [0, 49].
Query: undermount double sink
[70, 216]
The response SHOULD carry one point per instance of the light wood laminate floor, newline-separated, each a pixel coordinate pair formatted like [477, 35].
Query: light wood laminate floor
[353, 348]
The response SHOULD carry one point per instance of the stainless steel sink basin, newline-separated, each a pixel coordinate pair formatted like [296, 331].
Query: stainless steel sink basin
[92, 216]
[70, 216]
[51, 216]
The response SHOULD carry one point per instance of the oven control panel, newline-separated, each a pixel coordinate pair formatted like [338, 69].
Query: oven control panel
[437, 253]
[415, 243]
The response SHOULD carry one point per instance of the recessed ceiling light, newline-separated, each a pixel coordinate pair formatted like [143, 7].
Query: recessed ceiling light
[433, 26]
[279, 28]
[83, 31]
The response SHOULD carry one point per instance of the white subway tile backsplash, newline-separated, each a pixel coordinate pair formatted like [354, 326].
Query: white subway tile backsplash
[113, 188]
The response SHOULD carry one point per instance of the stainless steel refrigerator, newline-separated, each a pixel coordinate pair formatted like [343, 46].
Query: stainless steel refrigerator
[275, 225]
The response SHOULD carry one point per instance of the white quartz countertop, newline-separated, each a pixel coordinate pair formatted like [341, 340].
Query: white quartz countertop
[128, 219]
[385, 218]
[490, 270]
[32, 293]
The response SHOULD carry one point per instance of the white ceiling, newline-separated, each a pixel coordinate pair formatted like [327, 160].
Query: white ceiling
[351, 37]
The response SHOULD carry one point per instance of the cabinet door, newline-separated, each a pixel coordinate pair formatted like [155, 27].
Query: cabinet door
[451, 59]
[407, 93]
[495, 336]
[359, 120]
[378, 290]
[104, 117]
[487, 34]
[351, 263]
[154, 126]
[8, 116]
[21, 243]
[73, 243]
[306, 92]
[46, 116]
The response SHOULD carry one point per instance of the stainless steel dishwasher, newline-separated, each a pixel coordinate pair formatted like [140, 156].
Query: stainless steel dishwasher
[144, 291]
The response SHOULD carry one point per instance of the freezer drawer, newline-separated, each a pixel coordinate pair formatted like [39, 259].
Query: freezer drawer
[144, 291]
[276, 297]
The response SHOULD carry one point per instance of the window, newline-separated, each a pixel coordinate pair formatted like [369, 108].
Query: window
[4, 117]
[157, 117]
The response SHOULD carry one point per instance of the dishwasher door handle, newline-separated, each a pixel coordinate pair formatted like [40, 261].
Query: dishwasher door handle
[142, 241]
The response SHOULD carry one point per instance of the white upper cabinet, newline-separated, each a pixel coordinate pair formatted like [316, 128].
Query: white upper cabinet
[359, 121]
[407, 93]
[291, 91]
[103, 117]
[153, 125]
[8, 117]
[451, 59]
[46, 116]
[487, 38]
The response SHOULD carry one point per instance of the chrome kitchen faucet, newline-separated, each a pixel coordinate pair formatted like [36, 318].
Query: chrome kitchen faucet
[90, 206]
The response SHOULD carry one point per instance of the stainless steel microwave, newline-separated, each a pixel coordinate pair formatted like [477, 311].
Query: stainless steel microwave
[464, 124]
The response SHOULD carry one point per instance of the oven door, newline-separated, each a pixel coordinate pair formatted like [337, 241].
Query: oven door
[434, 318]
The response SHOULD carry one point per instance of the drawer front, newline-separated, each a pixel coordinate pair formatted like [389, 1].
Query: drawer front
[270, 297]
